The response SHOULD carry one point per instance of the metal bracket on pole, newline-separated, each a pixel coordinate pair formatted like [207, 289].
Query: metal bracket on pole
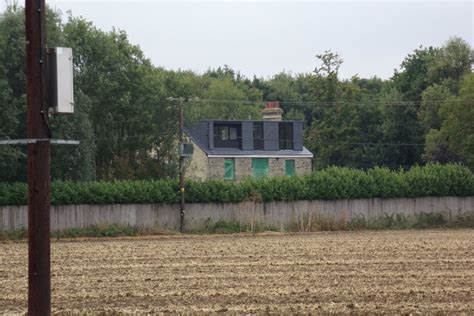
[34, 141]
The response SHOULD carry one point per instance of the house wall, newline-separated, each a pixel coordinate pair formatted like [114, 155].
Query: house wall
[243, 167]
[197, 168]
[276, 167]
[216, 168]
[303, 165]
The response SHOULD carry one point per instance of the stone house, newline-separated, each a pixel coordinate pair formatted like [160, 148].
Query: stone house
[235, 149]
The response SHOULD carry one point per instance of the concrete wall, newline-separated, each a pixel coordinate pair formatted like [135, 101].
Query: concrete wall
[280, 215]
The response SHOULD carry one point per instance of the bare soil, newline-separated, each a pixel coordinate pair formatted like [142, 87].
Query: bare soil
[344, 272]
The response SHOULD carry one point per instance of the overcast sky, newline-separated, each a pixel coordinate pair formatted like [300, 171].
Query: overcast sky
[266, 37]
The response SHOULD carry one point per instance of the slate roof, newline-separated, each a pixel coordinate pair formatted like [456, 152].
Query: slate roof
[199, 134]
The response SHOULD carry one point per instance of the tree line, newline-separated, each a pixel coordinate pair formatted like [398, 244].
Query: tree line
[128, 128]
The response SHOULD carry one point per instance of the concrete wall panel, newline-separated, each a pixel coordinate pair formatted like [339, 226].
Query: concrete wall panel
[278, 215]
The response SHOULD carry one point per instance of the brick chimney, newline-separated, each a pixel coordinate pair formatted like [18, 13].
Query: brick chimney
[272, 111]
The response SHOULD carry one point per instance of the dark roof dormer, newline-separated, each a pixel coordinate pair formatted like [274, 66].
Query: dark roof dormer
[254, 138]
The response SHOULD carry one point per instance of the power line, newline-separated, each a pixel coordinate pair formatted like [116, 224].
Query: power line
[261, 102]
[376, 144]
[386, 144]
[168, 134]
[35, 141]
[121, 137]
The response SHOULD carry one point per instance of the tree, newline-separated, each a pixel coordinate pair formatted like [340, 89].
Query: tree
[74, 162]
[330, 64]
[294, 92]
[412, 79]
[226, 100]
[128, 129]
[346, 120]
[402, 132]
[10, 156]
[451, 63]
[13, 86]
[437, 149]
[114, 75]
[283, 87]
[327, 82]
[428, 66]
[432, 99]
[332, 136]
[456, 136]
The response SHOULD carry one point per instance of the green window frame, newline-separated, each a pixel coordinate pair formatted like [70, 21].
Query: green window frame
[290, 167]
[229, 169]
[260, 167]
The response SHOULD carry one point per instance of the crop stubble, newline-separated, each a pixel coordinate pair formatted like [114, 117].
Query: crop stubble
[391, 271]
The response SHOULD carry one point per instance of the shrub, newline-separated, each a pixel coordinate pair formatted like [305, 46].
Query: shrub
[328, 184]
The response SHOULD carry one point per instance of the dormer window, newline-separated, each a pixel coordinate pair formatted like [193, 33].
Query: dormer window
[258, 136]
[227, 135]
[285, 135]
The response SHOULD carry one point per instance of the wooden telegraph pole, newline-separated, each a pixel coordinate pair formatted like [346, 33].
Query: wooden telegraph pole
[181, 166]
[39, 274]
[180, 104]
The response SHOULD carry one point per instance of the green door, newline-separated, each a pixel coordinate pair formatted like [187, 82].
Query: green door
[290, 167]
[260, 167]
[229, 169]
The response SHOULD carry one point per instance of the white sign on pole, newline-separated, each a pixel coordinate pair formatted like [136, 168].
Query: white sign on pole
[61, 80]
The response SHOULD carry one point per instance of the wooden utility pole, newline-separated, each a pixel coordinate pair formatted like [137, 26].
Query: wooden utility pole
[181, 166]
[180, 104]
[39, 274]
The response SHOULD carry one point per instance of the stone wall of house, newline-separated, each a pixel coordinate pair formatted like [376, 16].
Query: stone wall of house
[216, 168]
[196, 166]
[243, 167]
[303, 165]
[276, 167]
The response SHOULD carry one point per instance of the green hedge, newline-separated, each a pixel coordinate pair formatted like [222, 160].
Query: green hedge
[328, 184]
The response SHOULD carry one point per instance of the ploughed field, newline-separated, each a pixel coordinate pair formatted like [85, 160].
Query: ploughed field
[344, 272]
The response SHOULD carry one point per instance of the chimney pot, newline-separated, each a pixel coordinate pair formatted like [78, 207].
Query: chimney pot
[273, 105]
[272, 111]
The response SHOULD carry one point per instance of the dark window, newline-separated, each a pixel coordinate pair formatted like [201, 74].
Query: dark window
[285, 133]
[227, 136]
[258, 136]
